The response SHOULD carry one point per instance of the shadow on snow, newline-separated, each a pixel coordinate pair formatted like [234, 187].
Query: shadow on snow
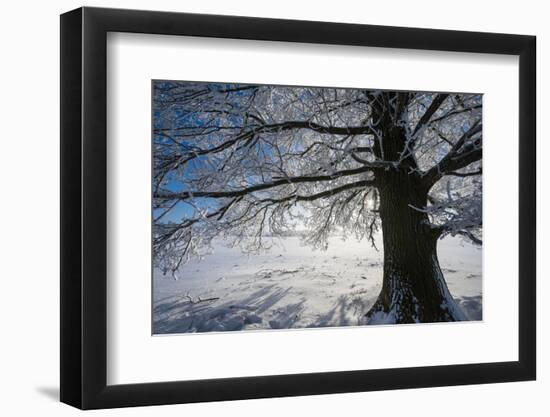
[270, 307]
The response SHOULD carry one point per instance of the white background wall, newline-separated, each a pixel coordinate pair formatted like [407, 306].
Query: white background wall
[29, 225]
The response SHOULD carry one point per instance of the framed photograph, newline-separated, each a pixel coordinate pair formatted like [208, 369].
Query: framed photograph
[257, 208]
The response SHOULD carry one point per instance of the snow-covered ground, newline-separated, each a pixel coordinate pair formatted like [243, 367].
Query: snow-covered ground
[293, 286]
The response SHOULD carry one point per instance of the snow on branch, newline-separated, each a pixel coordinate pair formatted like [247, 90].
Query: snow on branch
[246, 163]
[457, 208]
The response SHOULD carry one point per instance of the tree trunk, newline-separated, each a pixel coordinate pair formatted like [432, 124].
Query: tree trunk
[413, 288]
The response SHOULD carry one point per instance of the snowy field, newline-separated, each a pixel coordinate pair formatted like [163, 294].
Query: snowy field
[293, 286]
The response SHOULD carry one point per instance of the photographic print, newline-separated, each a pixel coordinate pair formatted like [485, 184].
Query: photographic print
[288, 207]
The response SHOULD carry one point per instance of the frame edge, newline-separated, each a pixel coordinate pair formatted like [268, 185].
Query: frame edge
[70, 214]
[527, 134]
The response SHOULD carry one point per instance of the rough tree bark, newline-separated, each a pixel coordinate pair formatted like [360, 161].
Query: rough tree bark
[413, 287]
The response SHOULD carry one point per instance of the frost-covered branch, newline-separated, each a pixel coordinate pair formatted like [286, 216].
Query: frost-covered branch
[458, 208]
[245, 163]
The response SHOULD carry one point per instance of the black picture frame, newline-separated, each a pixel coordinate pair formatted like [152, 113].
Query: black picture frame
[84, 207]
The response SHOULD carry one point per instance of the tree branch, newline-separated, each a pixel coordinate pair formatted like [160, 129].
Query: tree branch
[464, 174]
[436, 103]
[167, 195]
[326, 193]
[294, 124]
[459, 156]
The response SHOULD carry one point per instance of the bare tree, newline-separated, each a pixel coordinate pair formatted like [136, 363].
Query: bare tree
[243, 162]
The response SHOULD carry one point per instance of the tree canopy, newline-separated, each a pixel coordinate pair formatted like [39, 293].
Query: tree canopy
[245, 162]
